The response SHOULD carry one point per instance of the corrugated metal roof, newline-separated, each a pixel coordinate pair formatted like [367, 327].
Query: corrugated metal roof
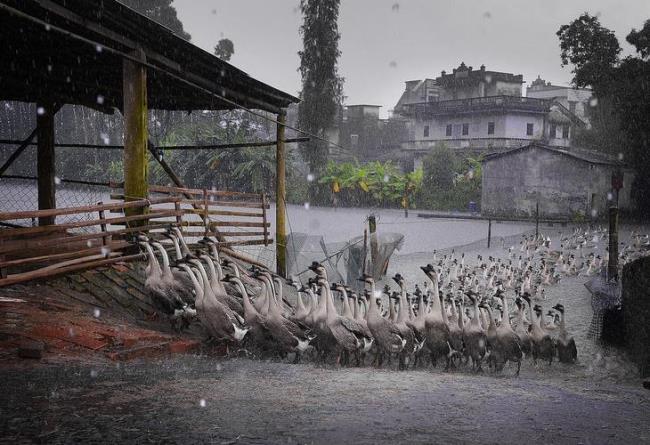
[590, 156]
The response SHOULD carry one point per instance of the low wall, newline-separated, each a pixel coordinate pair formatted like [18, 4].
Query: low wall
[636, 312]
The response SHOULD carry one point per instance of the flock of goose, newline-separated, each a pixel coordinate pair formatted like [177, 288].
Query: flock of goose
[463, 313]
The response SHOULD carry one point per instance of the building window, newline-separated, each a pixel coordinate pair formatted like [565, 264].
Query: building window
[426, 131]
[354, 140]
[465, 129]
[448, 130]
[553, 131]
[490, 127]
[565, 132]
[572, 106]
[529, 129]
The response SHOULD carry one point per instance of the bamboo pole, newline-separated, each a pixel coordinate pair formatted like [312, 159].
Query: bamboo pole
[280, 196]
[45, 161]
[135, 130]
[374, 247]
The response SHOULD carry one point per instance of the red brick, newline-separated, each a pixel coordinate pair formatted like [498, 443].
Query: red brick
[149, 351]
[184, 346]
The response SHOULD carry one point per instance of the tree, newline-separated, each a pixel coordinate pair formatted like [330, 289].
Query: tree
[439, 168]
[591, 48]
[160, 11]
[622, 88]
[321, 85]
[224, 49]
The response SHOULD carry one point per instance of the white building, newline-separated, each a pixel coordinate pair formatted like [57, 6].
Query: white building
[476, 111]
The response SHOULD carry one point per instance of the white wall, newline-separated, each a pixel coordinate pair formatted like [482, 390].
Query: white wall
[505, 126]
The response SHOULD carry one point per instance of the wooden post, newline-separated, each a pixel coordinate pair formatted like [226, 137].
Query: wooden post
[45, 160]
[374, 246]
[102, 226]
[179, 215]
[134, 83]
[612, 264]
[280, 196]
[266, 230]
[489, 232]
[206, 209]
[365, 251]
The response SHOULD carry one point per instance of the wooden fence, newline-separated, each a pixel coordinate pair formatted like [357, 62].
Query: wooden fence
[105, 234]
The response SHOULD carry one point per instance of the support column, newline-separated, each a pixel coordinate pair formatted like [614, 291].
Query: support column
[45, 160]
[134, 81]
[280, 196]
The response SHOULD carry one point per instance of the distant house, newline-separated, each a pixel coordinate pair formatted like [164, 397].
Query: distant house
[566, 182]
[576, 100]
[479, 111]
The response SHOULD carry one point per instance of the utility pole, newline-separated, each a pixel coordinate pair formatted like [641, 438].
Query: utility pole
[280, 196]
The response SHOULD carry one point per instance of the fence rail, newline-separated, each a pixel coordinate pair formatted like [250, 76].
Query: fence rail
[29, 252]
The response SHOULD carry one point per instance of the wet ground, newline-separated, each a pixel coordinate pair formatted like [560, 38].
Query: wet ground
[204, 400]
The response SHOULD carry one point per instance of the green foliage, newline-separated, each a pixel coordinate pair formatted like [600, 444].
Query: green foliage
[372, 184]
[623, 92]
[224, 49]
[590, 47]
[161, 11]
[449, 183]
[321, 85]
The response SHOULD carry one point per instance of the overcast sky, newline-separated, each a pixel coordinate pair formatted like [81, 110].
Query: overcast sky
[386, 42]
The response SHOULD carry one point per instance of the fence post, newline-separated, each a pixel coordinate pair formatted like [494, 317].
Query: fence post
[489, 232]
[206, 219]
[537, 219]
[179, 214]
[102, 217]
[266, 232]
[374, 247]
[612, 264]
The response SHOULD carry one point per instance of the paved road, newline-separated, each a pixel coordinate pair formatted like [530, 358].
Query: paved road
[195, 399]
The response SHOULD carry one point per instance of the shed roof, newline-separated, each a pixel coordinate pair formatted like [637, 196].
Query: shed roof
[590, 156]
[71, 51]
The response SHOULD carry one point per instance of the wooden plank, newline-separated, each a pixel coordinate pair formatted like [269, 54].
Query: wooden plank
[78, 224]
[4, 216]
[26, 244]
[256, 242]
[224, 213]
[115, 246]
[239, 224]
[221, 203]
[38, 274]
[199, 192]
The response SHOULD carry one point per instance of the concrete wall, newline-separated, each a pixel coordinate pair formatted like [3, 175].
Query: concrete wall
[567, 186]
[636, 312]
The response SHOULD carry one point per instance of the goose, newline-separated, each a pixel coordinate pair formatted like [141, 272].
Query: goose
[174, 280]
[521, 328]
[455, 330]
[216, 283]
[566, 346]
[387, 337]
[406, 331]
[474, 336]
[507, 339]
[348, 333]
[220, 321]
[541, 343]
[436, 327]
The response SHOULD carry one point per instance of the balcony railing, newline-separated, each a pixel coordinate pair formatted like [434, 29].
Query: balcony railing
[479, 104]
[480, 144]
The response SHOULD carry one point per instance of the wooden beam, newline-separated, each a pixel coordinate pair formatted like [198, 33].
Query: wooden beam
[280, 196]
[45, 160]
[135, 130]
[23, 145]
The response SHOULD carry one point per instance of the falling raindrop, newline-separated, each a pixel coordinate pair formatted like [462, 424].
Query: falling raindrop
[593, 102]
[40, 111]
[97, 313]
[98, 48]
[395, 7]
[392, 64]
[214, 11]
[105, 139]
[488, 78]
[620, 156]
[89, 243]
[594, 213]
[49, 68]
[377, 294]
[70, 332]
[57, 180]
[610, 196]
[487, 15]
[105, 250]
[306, 205]
[202, 403]
[310, 177]
[47, 27]
[93, 373]
[219, 368]
[386, 178]
[100, 99]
